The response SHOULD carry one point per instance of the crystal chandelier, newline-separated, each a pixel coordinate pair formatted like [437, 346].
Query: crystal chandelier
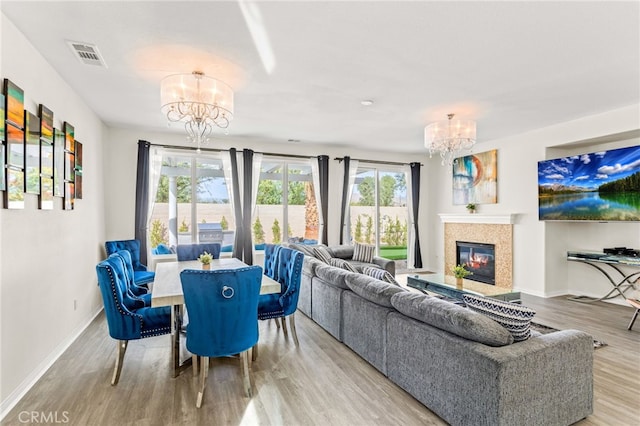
[449, 138]
[199, 101]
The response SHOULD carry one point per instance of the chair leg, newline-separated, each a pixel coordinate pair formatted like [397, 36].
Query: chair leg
[122, 348]
[635, 315]
[246, 380]
[284, 325]
[254, 352]
[194, 365]
[277, 323]
[204, 368]
[292, 324]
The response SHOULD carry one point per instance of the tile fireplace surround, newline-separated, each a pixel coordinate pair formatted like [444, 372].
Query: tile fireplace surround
[481, 228]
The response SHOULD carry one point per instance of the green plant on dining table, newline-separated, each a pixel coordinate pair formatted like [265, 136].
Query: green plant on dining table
[459, 271]
[205, 258]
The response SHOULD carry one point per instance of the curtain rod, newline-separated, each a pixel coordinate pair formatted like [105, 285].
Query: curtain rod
[271, 154]
[390, 163]
[188, 148]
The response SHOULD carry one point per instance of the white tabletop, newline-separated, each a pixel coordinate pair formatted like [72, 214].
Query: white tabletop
[167, 287]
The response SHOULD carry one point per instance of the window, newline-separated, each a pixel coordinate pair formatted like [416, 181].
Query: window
[192, 204]
[286, 208]
[379, 211]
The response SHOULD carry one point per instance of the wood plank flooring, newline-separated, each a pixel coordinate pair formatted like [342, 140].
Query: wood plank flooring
[321, 382]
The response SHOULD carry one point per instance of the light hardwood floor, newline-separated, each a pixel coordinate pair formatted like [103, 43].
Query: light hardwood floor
[321, 382]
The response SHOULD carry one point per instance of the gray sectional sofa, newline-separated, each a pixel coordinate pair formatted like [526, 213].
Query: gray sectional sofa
[460, 364]
[346, 252]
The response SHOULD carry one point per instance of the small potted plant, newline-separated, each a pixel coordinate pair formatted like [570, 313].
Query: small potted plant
[460, 272]
[205, 258]
[472, 207]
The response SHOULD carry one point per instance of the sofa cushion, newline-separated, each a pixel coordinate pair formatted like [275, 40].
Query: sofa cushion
[334, 276]
[322, 253]
[515, 318]
[342, 251]
[341, 263]
[379, 274]
[372, 289]
[452, 318]
[363, 252]
[309, 265]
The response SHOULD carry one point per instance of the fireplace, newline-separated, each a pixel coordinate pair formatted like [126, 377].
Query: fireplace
[479, 258]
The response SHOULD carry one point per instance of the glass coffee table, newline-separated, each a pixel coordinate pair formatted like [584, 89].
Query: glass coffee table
[445, 285]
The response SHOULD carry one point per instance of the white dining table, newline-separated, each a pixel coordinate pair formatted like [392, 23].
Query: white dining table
[167, 291]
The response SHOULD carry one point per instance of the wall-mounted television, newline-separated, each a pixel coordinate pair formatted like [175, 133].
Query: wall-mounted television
[599, 186]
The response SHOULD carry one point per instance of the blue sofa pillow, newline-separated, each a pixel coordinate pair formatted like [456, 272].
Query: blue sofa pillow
[162, 249]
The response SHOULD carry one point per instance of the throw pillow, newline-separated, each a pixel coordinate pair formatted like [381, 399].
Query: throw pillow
[341, 263]
[163, 249]
[322, 253]
[380, 274]
[363, 252]
[515, 318]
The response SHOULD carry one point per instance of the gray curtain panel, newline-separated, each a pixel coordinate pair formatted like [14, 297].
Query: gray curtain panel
[323, 171]
[239, 235]
[247, 243]
[345, 197]
[142, 198]
[415, 196]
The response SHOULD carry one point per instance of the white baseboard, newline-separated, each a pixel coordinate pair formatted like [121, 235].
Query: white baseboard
[615, 301]
[7, 405]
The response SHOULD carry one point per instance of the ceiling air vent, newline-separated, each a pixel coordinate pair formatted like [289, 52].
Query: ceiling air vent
[87, 53]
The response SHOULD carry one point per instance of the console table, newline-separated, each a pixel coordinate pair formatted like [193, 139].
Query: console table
[600, 261]
[445, 285]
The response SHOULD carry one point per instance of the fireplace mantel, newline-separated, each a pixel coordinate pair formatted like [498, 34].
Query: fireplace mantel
[508, 218]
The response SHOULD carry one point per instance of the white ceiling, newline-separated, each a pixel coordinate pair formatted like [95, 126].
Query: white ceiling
[512, 66]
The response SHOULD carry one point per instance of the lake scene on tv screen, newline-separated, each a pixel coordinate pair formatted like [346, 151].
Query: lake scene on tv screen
[598, 186]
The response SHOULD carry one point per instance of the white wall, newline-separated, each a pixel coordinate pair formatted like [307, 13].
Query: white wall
[47, 258]
[540, 265]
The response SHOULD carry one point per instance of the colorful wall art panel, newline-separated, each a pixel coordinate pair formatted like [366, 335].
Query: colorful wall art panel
[2, 118]
[475, 179]
[69, 134]
[58, 163]
[46, 123]
[32, 154]
[78, 174]
[15, 104]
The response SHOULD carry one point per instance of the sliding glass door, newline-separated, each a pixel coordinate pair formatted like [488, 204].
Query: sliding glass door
[286, 208]
[192, 203]
[379, 211]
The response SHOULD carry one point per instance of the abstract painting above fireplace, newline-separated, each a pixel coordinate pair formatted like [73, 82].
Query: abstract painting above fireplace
[478, 258]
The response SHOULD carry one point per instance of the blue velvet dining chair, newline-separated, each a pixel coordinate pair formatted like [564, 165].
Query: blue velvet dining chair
[193, 251]
[137, 291]
[271, 260]
[284, 304]
[223, 317]
[126, 319]
[141, 275]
